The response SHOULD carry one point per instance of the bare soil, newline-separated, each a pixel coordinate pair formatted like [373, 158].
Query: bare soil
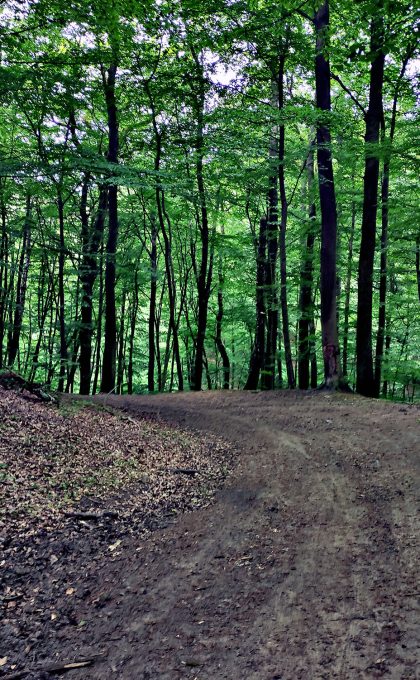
[304, 567]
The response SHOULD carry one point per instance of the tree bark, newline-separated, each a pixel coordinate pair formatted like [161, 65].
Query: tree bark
[152, 310]
[158, 354]
[387, 349]
[110, 346]
[219, 341]
[133, 319]
[306, 284]
[44, 306]
[91, 240]
[74, 344]
[257, 354]
[291, 380]
[330, 348]
[165, 227]
[271, 303]
[365, 380]
[61, 299]
[347, 292]
[205, 271]
[121, 346]
[312, 350]
[98, 341]
[22, 282]
[380, 337]
[3, 275]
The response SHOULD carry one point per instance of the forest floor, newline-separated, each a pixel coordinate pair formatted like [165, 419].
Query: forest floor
[303, 566]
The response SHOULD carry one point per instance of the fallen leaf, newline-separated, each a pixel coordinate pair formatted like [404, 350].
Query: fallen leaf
[3, 661]
[114, 546]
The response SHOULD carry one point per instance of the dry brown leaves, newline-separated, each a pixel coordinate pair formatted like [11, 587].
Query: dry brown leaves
[75, 484]
[54, 460]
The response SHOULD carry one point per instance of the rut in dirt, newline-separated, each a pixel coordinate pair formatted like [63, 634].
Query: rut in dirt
[304, 567]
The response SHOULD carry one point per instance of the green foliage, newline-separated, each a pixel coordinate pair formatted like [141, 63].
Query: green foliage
[53, 137]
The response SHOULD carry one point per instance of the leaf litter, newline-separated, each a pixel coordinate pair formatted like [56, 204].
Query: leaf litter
[76, 482]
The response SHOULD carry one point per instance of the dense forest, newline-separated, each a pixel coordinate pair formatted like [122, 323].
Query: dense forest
[210, 194]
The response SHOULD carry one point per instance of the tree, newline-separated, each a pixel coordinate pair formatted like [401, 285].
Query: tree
[21, 286]
[110, 346]
[365, 383]
[330, 349]
[306, 322]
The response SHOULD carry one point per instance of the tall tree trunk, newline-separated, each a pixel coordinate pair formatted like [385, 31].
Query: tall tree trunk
[233, 364]
[380, 337]
[173, 323]
[74, 343]
[44, 304]
[347, 292]
[306, 284]
[330, 349]
[257, 353]
[110, 347]
[365, 381]
[279, 361]
[207, 370]
[91, 240]
[54, 322]
[312, 350]
[158, 353]
[152, 311]
[10, 298]
[166, 358]
[133, 319]
[22, 282]
[202, 283]
[291, 380]
[121, 347]
[98, 342]
[387, 348]
[219, 341]
[3, 275]
[165, 227]
[271, 304]
[61, 300]
[205, 270]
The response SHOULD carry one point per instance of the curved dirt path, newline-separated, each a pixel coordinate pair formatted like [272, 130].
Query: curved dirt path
[305, 567]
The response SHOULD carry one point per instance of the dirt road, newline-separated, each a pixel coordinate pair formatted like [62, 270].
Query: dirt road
[305, 567]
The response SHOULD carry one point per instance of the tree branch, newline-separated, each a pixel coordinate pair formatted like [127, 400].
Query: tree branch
[351, 95]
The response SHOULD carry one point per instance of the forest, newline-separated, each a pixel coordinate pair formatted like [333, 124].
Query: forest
[217, 194]
[209, 339]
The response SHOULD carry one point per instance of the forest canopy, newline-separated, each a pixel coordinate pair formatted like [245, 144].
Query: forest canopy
[210, 194]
